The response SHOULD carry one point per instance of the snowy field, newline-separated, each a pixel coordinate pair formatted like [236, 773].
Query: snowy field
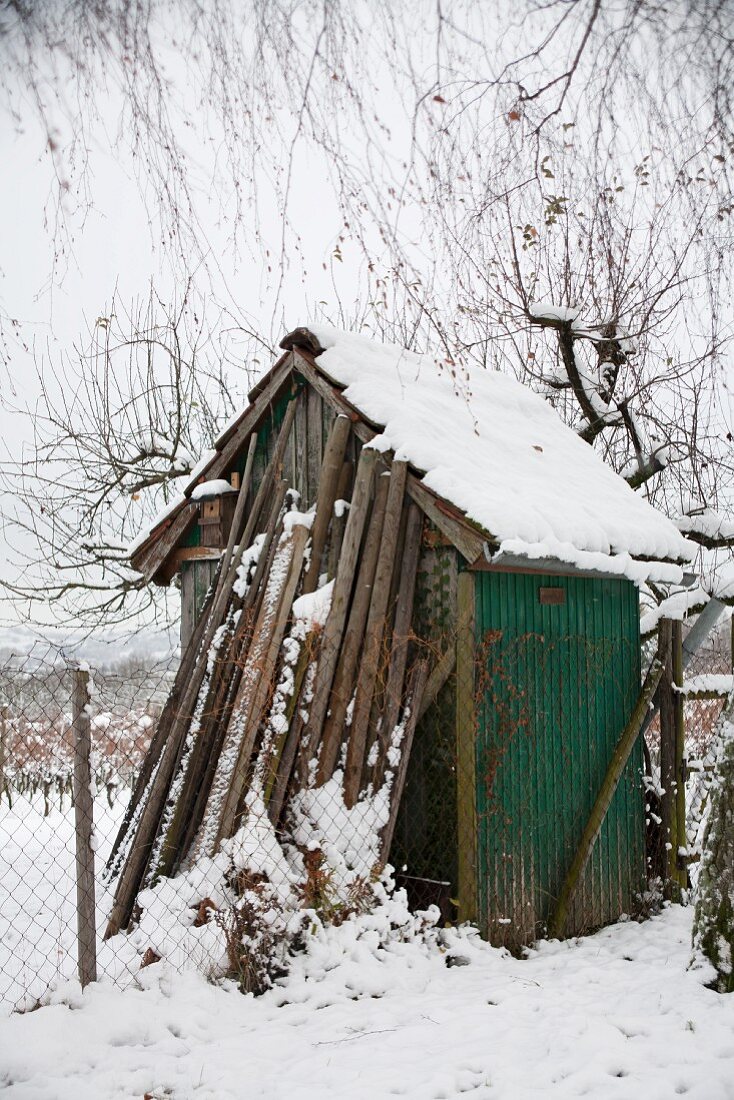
[616, 1015]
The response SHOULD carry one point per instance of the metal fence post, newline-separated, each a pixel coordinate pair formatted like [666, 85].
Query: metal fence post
[84, 824]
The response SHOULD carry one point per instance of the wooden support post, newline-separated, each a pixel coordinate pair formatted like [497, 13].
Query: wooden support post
[339, 522]
[3, 745]
[620, 756]
[84, 828]
[466, 734]
[277, 770]
[438, 678]
[666, 701]
[681, 851]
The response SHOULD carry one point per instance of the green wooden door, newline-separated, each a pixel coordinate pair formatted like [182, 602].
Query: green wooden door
[558, 673]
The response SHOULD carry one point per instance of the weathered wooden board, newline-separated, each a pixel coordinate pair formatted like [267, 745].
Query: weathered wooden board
[400, 636]
[328, 485]
[374, 632]
[258, 676]
[315, 444]
[341, 596]
[346, 673]
[466, 730]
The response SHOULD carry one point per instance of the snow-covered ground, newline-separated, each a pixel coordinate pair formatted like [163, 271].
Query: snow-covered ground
[615, 1015]
[38, 898]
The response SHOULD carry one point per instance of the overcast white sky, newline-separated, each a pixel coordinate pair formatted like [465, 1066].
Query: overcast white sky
[114, 248]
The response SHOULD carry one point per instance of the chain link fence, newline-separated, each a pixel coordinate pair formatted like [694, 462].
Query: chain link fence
[38, 887]
[706, 710]
[705, 720]
[317, 852]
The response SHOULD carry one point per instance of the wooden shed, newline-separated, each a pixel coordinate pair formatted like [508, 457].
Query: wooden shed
[497, 618]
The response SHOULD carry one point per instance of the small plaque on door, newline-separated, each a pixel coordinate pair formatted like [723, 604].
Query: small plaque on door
[552, 595]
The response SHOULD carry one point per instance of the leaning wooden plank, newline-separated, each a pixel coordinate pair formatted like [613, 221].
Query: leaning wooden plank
[224, 458]
[160, 736]
[277, 759]
[286, 765]
[331, 470]
[155, 796]
[272, 381]
[300, 437]
[134, 869]
[346, 672]
[271, 475]
[416, 685]
[257, 680]
[314, 446]
[236, 530]
[374, 633]
[219, 708]
[620, 756]
[439, 676]
[400, 634]
[343, 582]
[379, 695]
[339, 519]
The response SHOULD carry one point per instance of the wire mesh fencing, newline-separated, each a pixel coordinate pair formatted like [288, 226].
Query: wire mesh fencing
[38, 816]
[505, 755]
[706, 711]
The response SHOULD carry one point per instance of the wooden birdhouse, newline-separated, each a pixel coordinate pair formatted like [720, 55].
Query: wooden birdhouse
[216, 510]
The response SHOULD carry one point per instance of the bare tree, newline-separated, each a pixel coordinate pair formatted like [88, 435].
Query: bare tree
[543, 188]
[116, 425]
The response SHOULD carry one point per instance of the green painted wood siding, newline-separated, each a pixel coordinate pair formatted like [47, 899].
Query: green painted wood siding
[555, 685]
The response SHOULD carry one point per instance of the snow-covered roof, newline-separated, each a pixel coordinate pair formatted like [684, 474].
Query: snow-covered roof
[502, 455]
[496, 451]
[217, 487]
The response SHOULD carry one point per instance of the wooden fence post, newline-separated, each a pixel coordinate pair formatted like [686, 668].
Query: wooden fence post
[681, 860]
[84, 825]
[669, 771]
[3, 742]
